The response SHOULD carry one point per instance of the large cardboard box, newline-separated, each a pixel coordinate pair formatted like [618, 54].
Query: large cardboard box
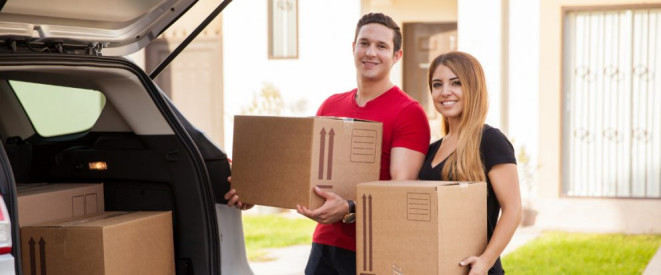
[39, 203]
[278, 160]
[109, 243]
[419, 227]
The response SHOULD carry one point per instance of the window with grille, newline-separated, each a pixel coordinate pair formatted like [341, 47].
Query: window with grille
[283, 29]
[612, 103]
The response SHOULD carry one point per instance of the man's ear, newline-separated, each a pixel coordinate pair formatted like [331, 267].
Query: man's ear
[397, 56]
[353, 46]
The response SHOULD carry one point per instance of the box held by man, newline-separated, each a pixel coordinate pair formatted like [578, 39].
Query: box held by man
[277, 161]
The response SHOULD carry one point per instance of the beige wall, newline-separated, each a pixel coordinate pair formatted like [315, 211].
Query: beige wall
[414, 10]
[627, 215]
[193, 80]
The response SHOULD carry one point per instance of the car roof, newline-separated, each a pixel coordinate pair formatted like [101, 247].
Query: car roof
[122, 27]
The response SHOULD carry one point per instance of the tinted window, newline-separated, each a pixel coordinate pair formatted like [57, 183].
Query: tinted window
[58, 110]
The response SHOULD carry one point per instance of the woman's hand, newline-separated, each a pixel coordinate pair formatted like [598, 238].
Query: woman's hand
[477, 264]
[233, 199]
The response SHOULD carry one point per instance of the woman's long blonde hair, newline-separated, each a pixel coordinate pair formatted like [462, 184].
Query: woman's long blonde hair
[465, 163]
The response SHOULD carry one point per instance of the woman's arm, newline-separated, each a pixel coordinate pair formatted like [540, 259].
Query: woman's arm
[505, 182]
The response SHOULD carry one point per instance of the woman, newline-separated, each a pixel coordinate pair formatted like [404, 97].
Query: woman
[473, 151]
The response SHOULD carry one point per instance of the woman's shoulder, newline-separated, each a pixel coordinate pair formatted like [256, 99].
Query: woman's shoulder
[496, 147]
[490, 132]
[492, 136]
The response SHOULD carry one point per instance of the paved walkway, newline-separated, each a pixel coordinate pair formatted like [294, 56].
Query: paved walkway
[289, 261]
[292, 260]
[654, 267]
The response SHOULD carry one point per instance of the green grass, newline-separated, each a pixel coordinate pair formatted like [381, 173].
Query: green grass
[271, 231]
[576, 253]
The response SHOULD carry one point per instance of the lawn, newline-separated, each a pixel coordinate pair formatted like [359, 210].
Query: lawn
[576, 253]
[551, 253]
[274, 230]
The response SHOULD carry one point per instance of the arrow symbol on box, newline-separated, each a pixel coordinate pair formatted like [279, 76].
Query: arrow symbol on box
[369, 203]
[42, 255]
[331, 136]
[33, 255]
[364, 234]
[322, 147]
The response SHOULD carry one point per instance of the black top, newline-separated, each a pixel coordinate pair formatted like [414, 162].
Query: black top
[495, 149]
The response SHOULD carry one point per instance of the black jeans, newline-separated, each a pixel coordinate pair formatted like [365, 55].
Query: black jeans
[497, 268]
[330, 260]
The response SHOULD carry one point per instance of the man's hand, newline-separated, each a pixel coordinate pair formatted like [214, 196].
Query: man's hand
[233, 199]
[331, 211]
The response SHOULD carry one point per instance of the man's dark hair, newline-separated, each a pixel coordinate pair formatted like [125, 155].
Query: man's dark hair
[382, 19]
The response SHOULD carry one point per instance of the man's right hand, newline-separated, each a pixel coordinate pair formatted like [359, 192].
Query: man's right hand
[233, 199]
[331, 211]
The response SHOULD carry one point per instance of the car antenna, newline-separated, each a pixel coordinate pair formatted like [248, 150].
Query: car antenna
[189, 39]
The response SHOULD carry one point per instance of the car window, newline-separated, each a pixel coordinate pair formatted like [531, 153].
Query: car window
[59, 110]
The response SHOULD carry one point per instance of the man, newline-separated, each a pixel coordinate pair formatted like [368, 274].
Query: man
[376, 48]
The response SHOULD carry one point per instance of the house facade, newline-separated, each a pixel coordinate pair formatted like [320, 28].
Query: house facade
[575, 85]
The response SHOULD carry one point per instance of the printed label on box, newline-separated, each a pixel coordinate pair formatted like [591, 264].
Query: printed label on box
[418, 206]
[363, 145]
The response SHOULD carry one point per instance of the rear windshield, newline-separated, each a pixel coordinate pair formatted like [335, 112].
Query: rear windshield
[59, 110]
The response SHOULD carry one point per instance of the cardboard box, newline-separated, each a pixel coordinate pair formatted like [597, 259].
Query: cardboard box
[109, 243]
[39, 203]
[278, 160]
[419, 227]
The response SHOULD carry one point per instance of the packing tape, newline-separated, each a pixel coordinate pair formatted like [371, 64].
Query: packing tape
[348, 126]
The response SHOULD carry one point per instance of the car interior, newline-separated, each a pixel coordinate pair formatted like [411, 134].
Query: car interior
[146, 154]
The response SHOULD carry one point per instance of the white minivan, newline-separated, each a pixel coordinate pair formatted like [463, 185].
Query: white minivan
[69, 100]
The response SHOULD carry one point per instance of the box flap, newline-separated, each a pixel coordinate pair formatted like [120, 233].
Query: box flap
[345, 118]
[420, 183]
[104, 219]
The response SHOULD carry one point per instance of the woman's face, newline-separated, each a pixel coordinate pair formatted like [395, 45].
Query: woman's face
[447, 93]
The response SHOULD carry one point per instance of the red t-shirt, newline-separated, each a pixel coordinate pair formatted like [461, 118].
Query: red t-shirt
[404, 125]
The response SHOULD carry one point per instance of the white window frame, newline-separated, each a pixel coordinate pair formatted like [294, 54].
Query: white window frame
[283, 29]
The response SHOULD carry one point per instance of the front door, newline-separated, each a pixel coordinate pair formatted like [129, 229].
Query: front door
[422, 43]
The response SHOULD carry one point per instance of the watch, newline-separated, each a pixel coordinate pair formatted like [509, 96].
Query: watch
[350, 217]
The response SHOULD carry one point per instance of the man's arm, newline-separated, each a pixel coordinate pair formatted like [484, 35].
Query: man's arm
[405, 163]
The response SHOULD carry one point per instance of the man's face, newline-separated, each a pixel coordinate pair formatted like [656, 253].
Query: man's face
[373, 52]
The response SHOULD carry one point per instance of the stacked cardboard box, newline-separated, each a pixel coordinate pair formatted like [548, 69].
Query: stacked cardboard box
[109, 243]
[419, 227]
[46, 202]
[64, 230]
[278, 160]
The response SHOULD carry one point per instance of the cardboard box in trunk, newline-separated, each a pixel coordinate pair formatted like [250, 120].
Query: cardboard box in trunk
[39, 203]
[109, 243]
[278, 160]
[419, 227]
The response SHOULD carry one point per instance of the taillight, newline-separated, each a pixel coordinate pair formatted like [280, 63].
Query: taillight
[5, 228]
